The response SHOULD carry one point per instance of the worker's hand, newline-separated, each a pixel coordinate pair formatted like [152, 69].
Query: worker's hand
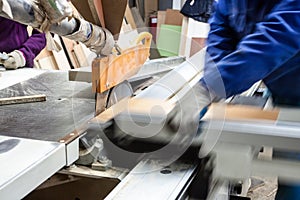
[15, 60]
[190, 110]
[108, 44]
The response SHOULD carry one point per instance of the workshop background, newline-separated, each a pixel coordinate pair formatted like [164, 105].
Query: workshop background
[173, 34]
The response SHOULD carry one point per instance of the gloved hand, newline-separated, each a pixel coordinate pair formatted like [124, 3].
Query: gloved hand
[15, 60]
[100, 41]
[190, 110]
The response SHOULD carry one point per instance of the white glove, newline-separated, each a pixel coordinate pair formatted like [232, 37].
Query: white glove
[15, 60]
[100, 39]
[190, 110]
[109, 43]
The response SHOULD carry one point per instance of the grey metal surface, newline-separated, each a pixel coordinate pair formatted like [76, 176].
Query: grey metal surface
[289, 114]
[118, 93]
[149, 180]
[19, 176]
[175, 80]
[83, 171]
[69, 105]
[255, 133]
[236, 144]
[83, 74]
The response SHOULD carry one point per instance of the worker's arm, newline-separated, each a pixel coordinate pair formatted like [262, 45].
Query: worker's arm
[274, 41]
[25, 54]
[33, 46]
[221, 37]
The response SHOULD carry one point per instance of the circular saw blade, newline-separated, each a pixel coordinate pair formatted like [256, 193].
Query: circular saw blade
[118, 93]
[104, 100]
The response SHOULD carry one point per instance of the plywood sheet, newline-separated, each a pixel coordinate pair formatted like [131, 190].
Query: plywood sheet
[173, 17]
[169, 40]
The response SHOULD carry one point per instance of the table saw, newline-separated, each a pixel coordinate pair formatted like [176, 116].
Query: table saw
[48, 135]
[88, 139]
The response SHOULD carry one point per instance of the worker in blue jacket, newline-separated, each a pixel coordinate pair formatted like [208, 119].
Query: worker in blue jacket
[252, 40]
[255, 40]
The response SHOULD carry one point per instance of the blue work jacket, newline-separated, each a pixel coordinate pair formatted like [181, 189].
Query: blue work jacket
[252, 40]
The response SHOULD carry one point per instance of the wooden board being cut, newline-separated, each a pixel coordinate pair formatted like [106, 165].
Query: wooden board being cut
[134, 106]
[240, 113]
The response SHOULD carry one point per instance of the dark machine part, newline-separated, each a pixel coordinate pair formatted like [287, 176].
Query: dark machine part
[91, 147]
[118, 93]
[199, 188]
[89, 151]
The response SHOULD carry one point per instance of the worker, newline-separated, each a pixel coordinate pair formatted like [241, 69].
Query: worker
[21, 49]
[252, 40]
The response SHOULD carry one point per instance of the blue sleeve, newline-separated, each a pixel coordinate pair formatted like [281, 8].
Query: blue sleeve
[273, 42]
[220, 41]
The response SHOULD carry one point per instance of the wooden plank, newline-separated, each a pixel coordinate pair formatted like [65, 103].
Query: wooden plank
[140, 24]
[195, 29]
[80, 56]
[60, 56]
[136, 106]
[48, 63]
[22, 99]
[129, 17]
[196, 45]
[173, 17]
[43, 54]
[99, 9]
[113, 11]
[81, 74]
[94, 11]
[240, 113]
[70, 51]
[184, 35]
[161, 18]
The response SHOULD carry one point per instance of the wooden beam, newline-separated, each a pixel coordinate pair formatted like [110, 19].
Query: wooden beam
[142, 107]
[239, 113]
[22, 99]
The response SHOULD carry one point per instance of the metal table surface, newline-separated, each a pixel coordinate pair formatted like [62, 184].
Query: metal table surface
[31, 149]
[68, 106]
[148, 181]
[26, 163]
